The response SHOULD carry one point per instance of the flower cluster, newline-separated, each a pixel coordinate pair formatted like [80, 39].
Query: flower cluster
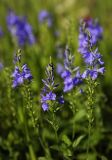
[45, 16]
[92, 57]
[71, 75]
[20, 28]
[95, 31]
[48, 95]
[21, 74]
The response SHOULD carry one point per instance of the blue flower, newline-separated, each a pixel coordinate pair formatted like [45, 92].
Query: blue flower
[47, 94]
[77, 79]
[65, 74]
[46, 98]
[93, 73]
[68, 84]
[19, 76]
[1, 66]
[71, 74]
[85, 74]
[45, 16]
[45, 106]
[95, 30]
[20, 28]
[59, 68]
[88, 37]
[61, 100]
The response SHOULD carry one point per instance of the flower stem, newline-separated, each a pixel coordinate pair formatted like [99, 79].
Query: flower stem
[30, 147]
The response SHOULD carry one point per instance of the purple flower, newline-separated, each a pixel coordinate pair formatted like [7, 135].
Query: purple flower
[59, 68]
[61, 100]
[68, 84]
[20, 28]
[101, 70]
[71, 74]
[46, 98]
[85, 74]
[89, 35]
[93, 73]
[95, 30]
[65, 74]
[45, 16]
[1, 66]
[48, 94]
[26, 72]
[45, 106]
[19, 76]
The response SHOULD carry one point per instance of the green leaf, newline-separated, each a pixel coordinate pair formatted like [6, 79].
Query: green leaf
[42, 158]
[103, 158]
[77, 141]
[79, 115]
[54, 147]
[66, 140]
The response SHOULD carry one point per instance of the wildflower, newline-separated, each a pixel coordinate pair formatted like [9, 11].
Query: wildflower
[48, 95]
[20, 74]
[61, 100]
[92, 58]
[20, 28]
[93, 73]
[1, 66]
[71, 74]
[95, 30]
[45, 16]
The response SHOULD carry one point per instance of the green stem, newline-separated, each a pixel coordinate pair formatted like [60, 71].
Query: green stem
[55, 126]
[44, 143]
[73, 131]
[30, 147]
[89, 134]
[90, 110]
[56, 135]
[30, 105]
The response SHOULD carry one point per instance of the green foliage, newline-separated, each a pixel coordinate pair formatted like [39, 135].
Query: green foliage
[26, 131]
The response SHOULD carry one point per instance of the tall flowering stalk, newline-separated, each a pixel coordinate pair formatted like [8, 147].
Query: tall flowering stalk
[49, 99]
[95, 30]
[48, 96]
[71, 75]
[22, 78]
[94, 67]
[72, 78]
